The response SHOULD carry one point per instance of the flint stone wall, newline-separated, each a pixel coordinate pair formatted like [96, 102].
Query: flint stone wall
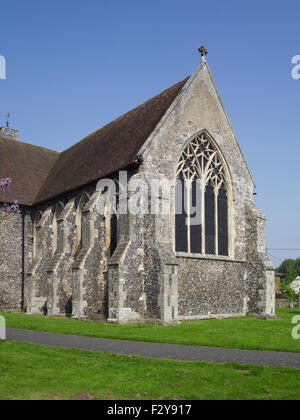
[52, 278]
[11, 259]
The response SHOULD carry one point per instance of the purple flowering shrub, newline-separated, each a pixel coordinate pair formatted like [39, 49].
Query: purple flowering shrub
[4, 183]
[8, 209]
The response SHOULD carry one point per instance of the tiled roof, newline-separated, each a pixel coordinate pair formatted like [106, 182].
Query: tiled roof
[40, 174]
[28, 166]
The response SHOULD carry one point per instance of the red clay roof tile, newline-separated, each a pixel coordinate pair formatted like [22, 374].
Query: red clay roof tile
[28, 166]
[39, 174]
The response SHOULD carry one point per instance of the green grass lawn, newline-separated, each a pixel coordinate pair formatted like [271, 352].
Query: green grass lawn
[28, 371]
[240, 333]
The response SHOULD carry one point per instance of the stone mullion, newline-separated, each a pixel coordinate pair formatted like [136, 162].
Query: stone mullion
[188, 185]
[216, 222]
[203, 185]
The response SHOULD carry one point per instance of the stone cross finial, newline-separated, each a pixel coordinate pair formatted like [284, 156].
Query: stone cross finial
[203, 51]
[7, 120]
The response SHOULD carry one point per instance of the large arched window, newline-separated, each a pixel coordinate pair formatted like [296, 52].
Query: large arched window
[201, 200]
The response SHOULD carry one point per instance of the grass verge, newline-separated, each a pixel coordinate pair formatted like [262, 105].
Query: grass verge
[32, 372]
[240, 333]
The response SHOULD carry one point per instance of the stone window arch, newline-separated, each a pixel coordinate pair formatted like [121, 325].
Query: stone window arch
[82, 224]
[202, 199]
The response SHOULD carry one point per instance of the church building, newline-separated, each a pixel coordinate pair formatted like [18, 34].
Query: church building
[61, 256]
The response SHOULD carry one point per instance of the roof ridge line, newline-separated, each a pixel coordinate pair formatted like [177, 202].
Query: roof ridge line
[123, 115]
[29, 144]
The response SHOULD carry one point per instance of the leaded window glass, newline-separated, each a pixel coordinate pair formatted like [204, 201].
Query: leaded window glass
[113, 233]
[201, 200]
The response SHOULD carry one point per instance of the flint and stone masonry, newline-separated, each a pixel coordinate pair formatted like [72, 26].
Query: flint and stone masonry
[61, 257]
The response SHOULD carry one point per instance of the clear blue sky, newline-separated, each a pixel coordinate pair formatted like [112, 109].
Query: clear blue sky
[73, 66]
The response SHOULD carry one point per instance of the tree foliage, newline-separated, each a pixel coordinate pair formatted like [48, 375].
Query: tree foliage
[286, 283]
[297, 266]
[289, 264]
[7, 209]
